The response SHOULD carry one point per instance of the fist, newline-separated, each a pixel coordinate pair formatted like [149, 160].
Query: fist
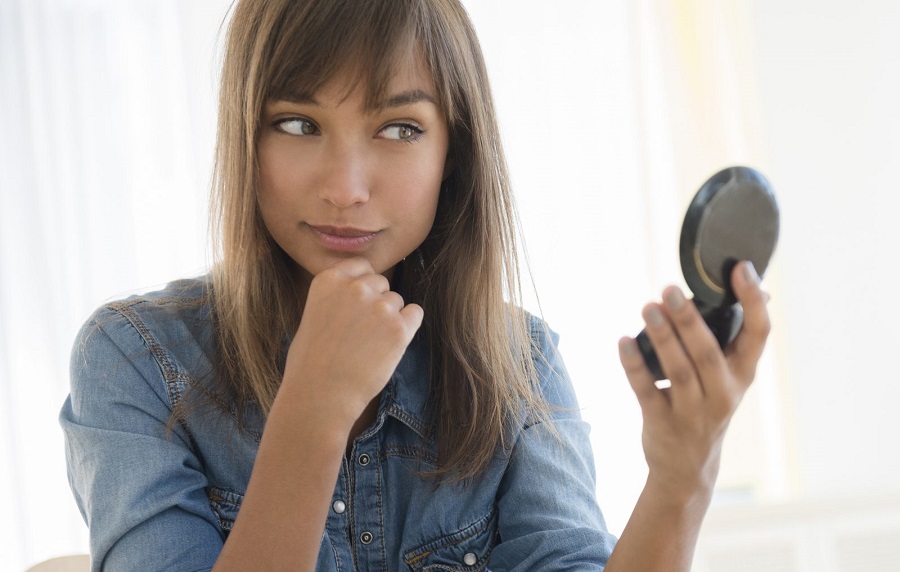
[353, 332]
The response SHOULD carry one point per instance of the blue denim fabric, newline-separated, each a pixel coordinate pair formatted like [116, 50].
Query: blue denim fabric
[158, 500]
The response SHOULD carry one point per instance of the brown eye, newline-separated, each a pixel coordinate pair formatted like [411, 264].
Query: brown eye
[401, 132]
[297, 126]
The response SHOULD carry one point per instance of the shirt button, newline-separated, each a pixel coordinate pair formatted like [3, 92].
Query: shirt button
[364, 459]
[470, 559]
[339, 506]
[366, 537]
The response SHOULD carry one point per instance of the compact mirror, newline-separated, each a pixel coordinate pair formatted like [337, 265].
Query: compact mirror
[733, 217]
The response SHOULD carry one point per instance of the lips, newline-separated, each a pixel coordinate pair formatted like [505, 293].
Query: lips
[343, 239]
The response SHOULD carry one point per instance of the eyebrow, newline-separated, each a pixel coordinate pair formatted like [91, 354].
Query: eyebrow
[401, 99]
[407, 98]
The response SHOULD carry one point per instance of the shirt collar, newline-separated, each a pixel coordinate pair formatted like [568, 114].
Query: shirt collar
[407, 396]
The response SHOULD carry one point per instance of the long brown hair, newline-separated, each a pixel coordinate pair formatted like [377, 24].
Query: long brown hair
[466, 277]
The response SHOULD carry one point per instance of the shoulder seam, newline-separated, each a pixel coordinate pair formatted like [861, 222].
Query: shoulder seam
[127, 303]
[171, 375]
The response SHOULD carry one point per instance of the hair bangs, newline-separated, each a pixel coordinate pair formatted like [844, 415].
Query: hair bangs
[363, 43]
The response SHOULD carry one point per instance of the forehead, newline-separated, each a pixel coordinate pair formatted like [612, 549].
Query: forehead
[411, 71]
[409, 80]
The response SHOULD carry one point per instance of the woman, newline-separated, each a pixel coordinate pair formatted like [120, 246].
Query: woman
[355, 386]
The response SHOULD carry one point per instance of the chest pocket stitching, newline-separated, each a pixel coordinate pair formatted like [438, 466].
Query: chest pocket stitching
[415, 556]
[225, 504]
[411, 452]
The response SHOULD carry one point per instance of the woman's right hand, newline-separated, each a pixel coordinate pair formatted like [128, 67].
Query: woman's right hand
[351, 337]
[353, 332]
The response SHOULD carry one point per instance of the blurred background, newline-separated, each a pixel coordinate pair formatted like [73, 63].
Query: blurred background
[613, 113]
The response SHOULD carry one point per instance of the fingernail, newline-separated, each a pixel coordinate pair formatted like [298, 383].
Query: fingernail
[750, 273]
[653, 316]
[675, 299]
[628, 347]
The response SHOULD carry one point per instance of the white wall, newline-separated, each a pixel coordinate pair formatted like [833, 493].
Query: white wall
[829, 77]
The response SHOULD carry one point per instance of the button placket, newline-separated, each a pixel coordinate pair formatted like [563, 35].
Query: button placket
[365, 515]
[337, 523]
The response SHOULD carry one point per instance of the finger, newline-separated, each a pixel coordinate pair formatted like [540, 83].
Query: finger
[641, 380]
[748, 346]
[697, 339]
[412, 314]
[338, 273]
[356, 266]
[374, 283]
[673, 358]
[392, 301]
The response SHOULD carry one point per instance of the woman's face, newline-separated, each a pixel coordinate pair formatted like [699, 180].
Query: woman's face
[338, 181]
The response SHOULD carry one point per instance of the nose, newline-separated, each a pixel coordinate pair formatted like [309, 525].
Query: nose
[344, 181]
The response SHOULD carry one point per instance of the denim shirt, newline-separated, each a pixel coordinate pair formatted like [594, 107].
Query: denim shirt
[165, 499]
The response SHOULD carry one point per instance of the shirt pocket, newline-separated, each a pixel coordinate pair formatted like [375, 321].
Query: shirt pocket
[225, 504]
[466, 550]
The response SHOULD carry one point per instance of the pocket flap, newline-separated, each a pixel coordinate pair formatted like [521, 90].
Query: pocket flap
[467, 549]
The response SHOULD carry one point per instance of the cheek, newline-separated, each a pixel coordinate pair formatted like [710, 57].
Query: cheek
[276, 173]
[421, 190]
[427, 173]
[282, 178]
[272, 193]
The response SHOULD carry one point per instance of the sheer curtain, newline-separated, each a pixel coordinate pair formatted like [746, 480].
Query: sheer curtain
[612, 114]
[105, 153]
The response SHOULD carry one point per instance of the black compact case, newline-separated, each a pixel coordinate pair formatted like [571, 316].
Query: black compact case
[733, 217]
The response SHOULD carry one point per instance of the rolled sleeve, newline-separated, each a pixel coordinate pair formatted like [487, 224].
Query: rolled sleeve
[548, 514]
[139, 486]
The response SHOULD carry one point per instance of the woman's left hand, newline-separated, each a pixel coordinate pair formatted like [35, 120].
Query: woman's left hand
[684, 424]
